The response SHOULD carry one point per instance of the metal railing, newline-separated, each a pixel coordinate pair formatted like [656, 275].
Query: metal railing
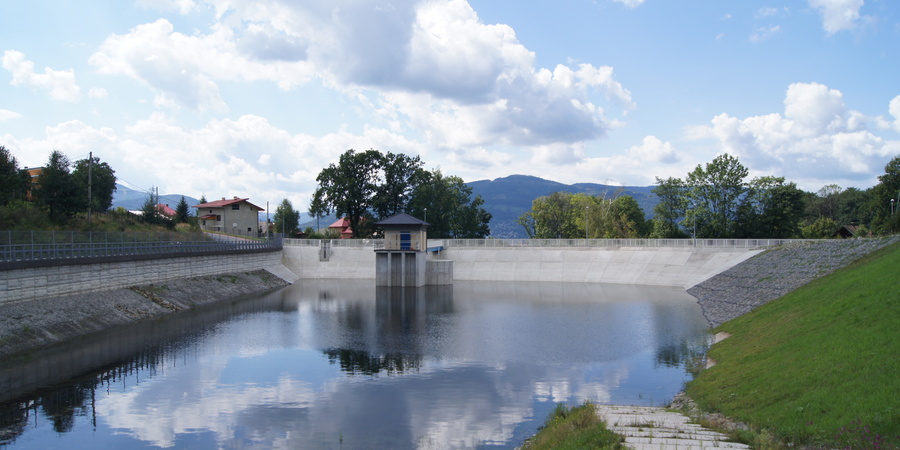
[19, 247]
[348, 243]
[573, 243]
[608, 243]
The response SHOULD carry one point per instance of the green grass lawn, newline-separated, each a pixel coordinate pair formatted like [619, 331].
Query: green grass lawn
[819, 366]
[574, 428]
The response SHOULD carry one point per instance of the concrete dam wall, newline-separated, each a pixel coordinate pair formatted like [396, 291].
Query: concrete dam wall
[659, 266]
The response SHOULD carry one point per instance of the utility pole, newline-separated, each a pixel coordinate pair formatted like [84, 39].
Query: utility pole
[90, 197]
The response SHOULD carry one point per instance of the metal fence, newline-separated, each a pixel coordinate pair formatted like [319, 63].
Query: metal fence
[607, 243]
[573, 243]
[25, 246]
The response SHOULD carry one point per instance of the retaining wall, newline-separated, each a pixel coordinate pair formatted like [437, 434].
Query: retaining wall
[658, 266]
[43, 282]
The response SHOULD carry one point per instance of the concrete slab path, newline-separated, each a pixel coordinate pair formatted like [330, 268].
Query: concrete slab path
[657, 428]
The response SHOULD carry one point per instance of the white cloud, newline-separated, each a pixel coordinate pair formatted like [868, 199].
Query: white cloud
[764, 33]
[96, 92]
[837, 15]
[894, 109]
[630, 3]
[432, 67]
[8, 115]
[60, 84]
[183, 69]
[179, 6]
[817, 138]
[653, 150]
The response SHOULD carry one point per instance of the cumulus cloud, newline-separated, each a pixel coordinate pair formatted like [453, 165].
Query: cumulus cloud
[8, 115]
[432, 66]
[60, 84]
[183, 69]
[837, 15]
[817, 137]
[894, 109]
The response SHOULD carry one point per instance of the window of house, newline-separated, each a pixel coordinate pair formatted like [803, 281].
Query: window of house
[218, 218]
[236, 206]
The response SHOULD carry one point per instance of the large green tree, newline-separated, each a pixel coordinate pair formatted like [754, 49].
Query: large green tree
[446, 203]
[714, 196]
[553, 216]
[56, 189]
[349, 188]
[287, 220]
[400, 176]
[671, 207]
[102, 179]
[13, 180]
[770, 208]
[885, 199]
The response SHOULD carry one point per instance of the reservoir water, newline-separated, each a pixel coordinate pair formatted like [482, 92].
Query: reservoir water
[343, 364]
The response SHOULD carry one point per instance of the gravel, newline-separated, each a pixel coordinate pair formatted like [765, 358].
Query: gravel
[775, 272]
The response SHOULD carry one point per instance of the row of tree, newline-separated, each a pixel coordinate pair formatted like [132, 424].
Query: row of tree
[61, 190]
[369, 186]
[716, 201]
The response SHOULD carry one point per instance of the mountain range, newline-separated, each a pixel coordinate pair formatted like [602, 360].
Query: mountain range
[505, 198]
[508, 197]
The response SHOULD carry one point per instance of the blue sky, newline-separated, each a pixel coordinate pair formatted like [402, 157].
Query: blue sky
[253, 98]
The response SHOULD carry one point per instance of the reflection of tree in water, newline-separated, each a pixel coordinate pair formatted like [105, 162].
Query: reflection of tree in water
[686, 353]
[63, 403]
[360, 362]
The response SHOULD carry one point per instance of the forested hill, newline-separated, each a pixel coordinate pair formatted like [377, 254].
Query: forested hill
[508, 197]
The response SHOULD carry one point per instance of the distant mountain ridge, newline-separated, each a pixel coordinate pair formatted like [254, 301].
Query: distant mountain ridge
[505, 198]
[133, 200]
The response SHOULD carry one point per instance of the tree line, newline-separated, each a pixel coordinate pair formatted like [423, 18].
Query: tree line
[369, 186]
[62, 190]
[716, 200]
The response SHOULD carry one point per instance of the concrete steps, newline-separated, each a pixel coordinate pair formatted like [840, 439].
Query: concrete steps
[657, 428]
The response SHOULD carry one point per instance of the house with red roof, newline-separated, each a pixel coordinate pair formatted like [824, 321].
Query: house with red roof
[234, 216]
[342, 226]
[166, 210]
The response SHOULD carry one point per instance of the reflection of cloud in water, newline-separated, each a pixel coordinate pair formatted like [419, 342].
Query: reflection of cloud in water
[339, 366]
[461, 405]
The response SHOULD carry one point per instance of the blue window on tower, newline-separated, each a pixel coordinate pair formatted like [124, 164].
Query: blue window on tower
[405, 241]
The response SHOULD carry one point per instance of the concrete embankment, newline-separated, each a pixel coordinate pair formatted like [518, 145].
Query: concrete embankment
[32, 324]
[656, 266]
[774, 273]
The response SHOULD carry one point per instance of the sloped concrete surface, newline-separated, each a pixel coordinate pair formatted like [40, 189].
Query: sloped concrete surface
[657, 428]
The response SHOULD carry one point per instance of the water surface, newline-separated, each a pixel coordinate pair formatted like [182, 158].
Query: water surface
[348, 365]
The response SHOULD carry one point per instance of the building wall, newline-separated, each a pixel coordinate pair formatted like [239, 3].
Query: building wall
[246, 218]
[43, 282]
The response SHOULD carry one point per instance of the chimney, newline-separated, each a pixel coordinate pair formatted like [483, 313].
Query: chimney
[235, 197]
[223, 198]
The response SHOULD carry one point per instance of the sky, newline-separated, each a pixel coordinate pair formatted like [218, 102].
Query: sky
[253, 98]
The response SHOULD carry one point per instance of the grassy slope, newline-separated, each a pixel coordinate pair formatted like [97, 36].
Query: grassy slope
[574, 428]
[819, 366]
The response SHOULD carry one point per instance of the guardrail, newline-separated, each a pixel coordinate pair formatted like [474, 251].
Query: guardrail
[595, 243]
[30, 248]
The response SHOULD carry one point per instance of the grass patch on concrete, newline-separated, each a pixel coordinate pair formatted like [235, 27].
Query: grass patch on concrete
[578, 427]
[819, 366]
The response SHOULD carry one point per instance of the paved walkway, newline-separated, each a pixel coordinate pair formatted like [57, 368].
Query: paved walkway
[656, 428]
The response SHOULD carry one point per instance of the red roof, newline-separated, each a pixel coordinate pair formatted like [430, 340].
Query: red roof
[165, 210]
[223, 203]
[341, 223]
